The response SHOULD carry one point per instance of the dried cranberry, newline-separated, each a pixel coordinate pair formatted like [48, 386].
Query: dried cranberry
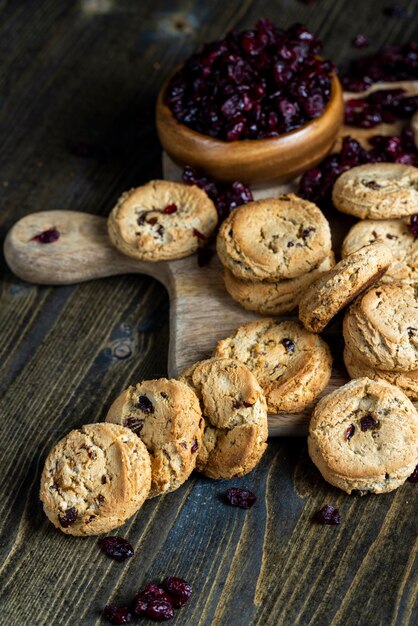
[360, 41]
[170, 208]
[349, 432]
[195, 447]
[150, 593]
[117, 614]
[368, 423]
[328, 515]
[239, 404]
[199, 235]
[288, 344]
[117, 548]
[179, 590]
[259, 83]
[413, 225]
[47, 236]
[413, 478]
[160, 610]
[145, 404]
[68, 518]
[243, 498]
[135, 424]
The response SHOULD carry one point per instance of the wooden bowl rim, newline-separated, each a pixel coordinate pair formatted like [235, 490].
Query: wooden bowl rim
[164, 109]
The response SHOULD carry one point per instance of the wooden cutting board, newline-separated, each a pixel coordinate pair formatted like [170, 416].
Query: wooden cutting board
[201, 311]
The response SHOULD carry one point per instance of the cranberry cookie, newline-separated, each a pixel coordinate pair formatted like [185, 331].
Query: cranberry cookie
[292, 365]
[274, 239]
[377, 191]
[95, 479]
[273, 298]
[381, 327]
[235, 413]
[407, 381]
[332, 291]
[166, 415]
[397, 236]
[162, 220]
[364, 436]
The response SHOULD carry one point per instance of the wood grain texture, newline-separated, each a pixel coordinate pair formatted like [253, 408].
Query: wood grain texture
[77, 89]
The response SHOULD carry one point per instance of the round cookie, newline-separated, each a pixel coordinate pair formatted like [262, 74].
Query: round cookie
[95, 479]
[235, 413]
[364, 436]
[273, 298]
[274, 239]
[161, 220]
[332, 291]
[381, 327]
[292, 365]
[407, 381]
[166, 415]
[397, 236]
[377, 191]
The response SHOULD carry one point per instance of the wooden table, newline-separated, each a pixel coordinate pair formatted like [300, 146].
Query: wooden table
[78, 86]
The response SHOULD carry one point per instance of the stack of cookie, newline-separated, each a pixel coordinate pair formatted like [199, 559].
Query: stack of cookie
[380, 326]
[154, 436]
[272, 250]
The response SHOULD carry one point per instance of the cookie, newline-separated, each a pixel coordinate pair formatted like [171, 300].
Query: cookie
[273, 298]
[332, 291]
[235, 413]
[94, 479]
[381, 327]
[364, 436]
[274, 239]
[166, 415]
[161, 220]
[397, 236]
[292, 365]
[407, 381]
[377, 191]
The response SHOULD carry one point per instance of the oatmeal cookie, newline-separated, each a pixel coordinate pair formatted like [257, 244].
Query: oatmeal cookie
[166, 415]
[332, 291]
[292, 365]
[235, 413]
[377, 191]
[95, 479]
[364, 436]
[161, 220]
[274, 239]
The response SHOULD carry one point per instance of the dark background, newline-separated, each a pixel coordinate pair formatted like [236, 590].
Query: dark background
[77, 90]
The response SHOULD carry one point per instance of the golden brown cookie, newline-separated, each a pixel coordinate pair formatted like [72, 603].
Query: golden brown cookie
[292, 365]
[332, 291]
[364, 436]
[95, 479]
[274, 239]
[381, 327]
[377, 191]
[161, 220]
[273, 298]
[397, 236]
[235, 413]
[166, 415]
[407, 381]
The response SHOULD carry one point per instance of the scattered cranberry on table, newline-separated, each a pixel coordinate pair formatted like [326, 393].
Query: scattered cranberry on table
[328, 515]
[360, 41]
[47, 236]
[383, 105]
[117, 614]
[243, 498]
[117, 548]
[251, 85]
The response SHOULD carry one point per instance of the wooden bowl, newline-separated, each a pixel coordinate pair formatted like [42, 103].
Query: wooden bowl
[252, 160]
